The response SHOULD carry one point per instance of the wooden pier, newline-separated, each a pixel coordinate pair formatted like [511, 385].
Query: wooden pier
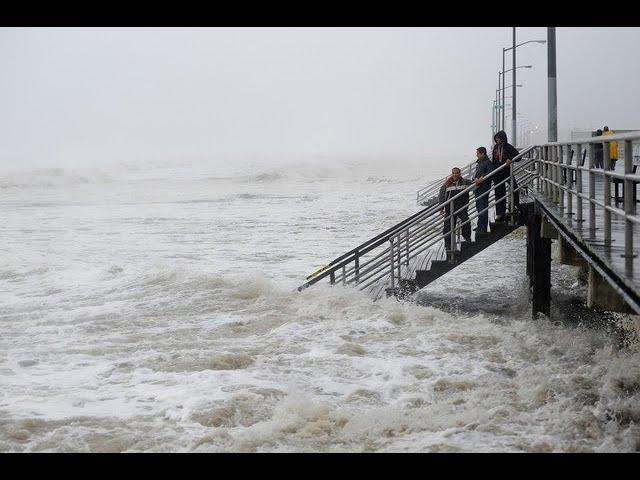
[561, 199]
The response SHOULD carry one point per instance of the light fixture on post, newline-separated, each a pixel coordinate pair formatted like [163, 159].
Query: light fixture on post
[502, 97]
[513, 47]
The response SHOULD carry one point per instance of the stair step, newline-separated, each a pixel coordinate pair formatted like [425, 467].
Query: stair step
[405, 290]
[437, 264]
[425, 276]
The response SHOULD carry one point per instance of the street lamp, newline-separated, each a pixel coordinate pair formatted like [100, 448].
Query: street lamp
[495, 110]
[501, 75]
[514, 67]
[497, 107]
[521, 66]
[494, 115]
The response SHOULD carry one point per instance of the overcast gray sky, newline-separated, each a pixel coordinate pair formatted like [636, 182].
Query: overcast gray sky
[88, 96]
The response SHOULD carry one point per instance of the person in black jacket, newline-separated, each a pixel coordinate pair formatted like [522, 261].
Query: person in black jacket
[598, 151]
[452, 187]
[483, 168]
[503, 153]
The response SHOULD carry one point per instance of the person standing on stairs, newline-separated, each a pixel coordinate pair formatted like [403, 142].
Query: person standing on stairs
[503, 153]
[483, 168]
[452, 187]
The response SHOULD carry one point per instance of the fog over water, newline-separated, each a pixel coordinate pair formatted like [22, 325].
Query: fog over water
[87, 96]
[164, 192]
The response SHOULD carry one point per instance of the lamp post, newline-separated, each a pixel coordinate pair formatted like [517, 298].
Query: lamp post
[494, 114]
[504, 50]
[513, 82]
[501, 107]
[552, 94]
[501, 103]
[509, 86]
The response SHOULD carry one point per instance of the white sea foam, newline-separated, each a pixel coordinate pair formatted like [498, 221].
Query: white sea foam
[158, 312]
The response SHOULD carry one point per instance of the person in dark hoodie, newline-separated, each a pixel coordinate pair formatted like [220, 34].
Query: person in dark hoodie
[598, 150]
[483, 168]
[503, 153]
[452, 187]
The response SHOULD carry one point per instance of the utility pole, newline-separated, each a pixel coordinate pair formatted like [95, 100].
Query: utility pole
[552, 93]
[514, 130]
[499, 103]
[504, 82]
[493, 118]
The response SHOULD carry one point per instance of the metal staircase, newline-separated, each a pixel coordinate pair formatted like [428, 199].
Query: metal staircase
[416, 251]
[440, 267]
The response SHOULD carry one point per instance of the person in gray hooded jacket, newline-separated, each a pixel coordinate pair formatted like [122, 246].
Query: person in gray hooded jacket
[484, 167]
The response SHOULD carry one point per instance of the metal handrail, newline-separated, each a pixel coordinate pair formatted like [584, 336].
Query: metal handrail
[422, 245]
[433, 210]
[365, 270]
[439, 222]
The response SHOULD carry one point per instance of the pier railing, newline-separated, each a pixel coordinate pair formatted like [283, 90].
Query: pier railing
[570, 179]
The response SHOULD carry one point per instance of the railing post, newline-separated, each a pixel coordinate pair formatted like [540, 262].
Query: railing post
[568, 176]
[512, 207]
[393, 283]
[579, 183]
[556, 159]
[550, 174]
[629, 202]
[547, 185]
[538, 166]
[344, 275]
[452, 223]
[332, 278]
[592, 191]
[561, 171]
[607, 193]
[357, 267]
[399, 242]
[407, 248]
[554, 173]
[541, 170]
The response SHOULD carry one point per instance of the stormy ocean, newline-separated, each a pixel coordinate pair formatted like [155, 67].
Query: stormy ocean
[153, 308]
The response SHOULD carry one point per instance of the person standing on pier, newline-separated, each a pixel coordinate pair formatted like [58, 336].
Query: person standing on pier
[503, 153]
[452, 187]
[483, 167]
[613, 147]
[598, 152]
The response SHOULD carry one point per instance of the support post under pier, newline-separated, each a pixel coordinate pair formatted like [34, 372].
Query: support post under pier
[538, 266]
[602, 295]
[568, 255]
